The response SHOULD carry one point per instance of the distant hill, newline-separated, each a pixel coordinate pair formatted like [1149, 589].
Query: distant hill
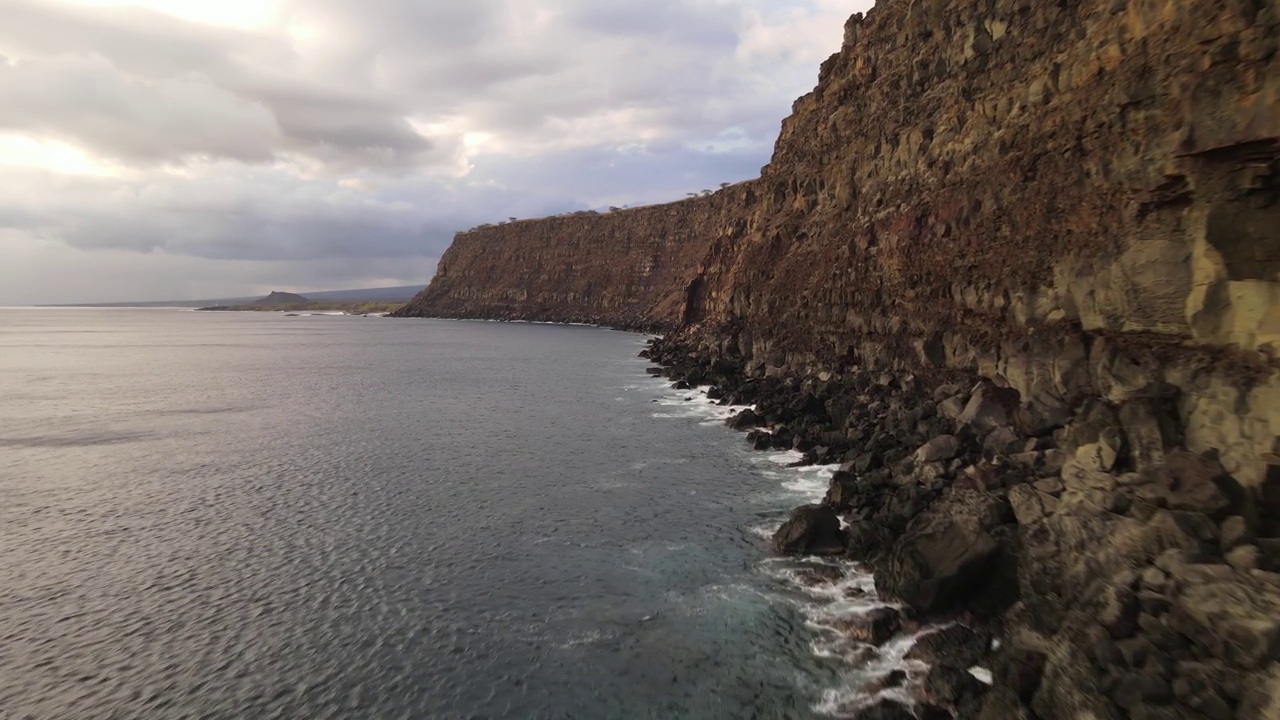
[397, 294]
[281, 299]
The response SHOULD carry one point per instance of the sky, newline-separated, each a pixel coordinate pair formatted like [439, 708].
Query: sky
[189, 149]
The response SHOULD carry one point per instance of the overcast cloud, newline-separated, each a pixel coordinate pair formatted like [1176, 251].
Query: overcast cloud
[188, 149]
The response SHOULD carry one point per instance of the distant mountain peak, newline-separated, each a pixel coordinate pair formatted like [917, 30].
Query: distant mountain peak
[281, 298]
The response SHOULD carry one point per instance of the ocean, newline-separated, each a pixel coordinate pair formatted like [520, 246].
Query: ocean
[248, 515]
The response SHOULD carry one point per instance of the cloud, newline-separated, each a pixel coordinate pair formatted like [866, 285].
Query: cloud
[329, 134]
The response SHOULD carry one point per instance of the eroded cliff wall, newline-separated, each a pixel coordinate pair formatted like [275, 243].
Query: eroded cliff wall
[629, 269]
[1074, 198]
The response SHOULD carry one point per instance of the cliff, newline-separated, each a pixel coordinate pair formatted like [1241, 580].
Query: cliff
[627, 269]
[982, 185]
[1073, 208]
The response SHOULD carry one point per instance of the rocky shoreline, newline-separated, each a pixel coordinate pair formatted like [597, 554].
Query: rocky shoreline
[1119, 574]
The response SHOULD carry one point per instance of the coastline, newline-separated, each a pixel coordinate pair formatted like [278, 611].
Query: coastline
[1013, 268]
[838, 614]
[884, 648]
[1055, 551]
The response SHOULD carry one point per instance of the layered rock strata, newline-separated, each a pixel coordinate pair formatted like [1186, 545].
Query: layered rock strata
[1018, 265]
[628, 269]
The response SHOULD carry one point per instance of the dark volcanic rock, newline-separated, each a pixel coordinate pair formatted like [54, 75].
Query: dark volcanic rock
[946, 555]
[952, 687]
[874, 627]
[813, 529]
[956, 645]
[745, 420]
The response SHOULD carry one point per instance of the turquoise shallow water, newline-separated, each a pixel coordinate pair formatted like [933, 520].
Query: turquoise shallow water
[236, 515]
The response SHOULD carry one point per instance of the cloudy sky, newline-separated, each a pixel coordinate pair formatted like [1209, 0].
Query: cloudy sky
[171, 149]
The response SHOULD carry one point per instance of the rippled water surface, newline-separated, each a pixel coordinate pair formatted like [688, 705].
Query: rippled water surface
[248, 515]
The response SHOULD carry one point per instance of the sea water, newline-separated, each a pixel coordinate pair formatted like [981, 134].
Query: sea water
[234, 515]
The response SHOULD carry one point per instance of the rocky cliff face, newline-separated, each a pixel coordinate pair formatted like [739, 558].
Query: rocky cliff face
[1075, 197]
[628, 269]
[1065, 195]
[1076, 203]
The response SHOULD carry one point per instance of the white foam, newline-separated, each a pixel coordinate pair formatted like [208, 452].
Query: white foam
[590, 637]
[823, 604]
[765, 531]
[861, 687]
[810, 481]
[783, 457]
[690, 404]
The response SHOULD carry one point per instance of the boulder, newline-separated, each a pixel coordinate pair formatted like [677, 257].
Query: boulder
[867, 461]
[1037, 417]
[957, 645]
[1030, 505]
[1070, 685]
[952, 407]
[1231, 618]
[983, 412]
[1097, 457]
[1095, 419]
[942, 392]
[1029, 460]
[1070, 550]
[1054, 461]
[946, 555]
[812, 529]
[1190, 482]
[1244, 558]
[1003, 441]
[1083, 478]
[816, 575]
[943, 447]
[1120, 610]
[745, 420]
[1050, 486]
[1235, 531]
[843, 492]
[760, 439]
[951, 687]
[874, 627]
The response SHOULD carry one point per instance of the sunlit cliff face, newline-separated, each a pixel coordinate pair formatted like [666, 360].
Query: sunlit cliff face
[186, 148]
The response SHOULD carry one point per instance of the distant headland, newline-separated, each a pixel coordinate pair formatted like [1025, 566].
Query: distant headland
[278, 301]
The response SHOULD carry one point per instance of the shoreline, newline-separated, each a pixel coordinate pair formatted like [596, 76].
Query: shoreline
[833, 600]
[1047, 549]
